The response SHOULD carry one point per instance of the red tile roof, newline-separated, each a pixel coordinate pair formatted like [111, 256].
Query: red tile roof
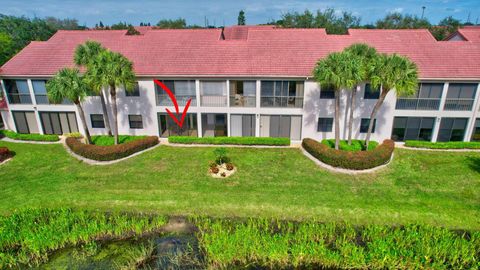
[470, 33]
[245, 51]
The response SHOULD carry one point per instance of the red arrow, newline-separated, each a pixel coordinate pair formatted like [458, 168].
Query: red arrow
[174, 100]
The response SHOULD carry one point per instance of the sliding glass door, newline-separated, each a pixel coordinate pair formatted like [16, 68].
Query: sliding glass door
[59, 122]
[167, 127]
[242, 125]
[25, 122]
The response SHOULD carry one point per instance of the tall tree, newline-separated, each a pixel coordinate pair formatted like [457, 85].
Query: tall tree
[172, 24]
[391, 73]
[84, 55]
[339, 70]
[398, 21]
[241, 17]
[69, 84]
[366, 56]
[111, 70]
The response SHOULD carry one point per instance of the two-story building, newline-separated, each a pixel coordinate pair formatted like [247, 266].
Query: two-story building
[251, 81]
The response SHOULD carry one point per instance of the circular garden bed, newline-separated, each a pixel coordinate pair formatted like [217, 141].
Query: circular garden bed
[5, 154]
[222, 171]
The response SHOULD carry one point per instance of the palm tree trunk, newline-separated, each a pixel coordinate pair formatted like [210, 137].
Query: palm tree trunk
[337, 119]
[88, 140]
[350, 121]
[373, 115]
[106, 119]
[113, 94]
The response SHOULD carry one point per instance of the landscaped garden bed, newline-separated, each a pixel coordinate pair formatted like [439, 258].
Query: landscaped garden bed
[105, 140]
[230, 140]
[221, 167]
[357, 145]
[5, 154]
[443, 145]
[29, 137]
[110, 152]
[352, 160]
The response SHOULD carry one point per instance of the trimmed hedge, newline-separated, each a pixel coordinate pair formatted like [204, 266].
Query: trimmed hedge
[4, 153]
[230, 140]
[350, 160]
[113, 152]
[110, 140]
[443, 145]
[29, 137]
[357, 145]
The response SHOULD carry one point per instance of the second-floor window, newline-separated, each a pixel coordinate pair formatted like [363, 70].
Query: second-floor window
[213, 93]
[135, 92]
[327, 93]
[282, 94]
[17, 91]
[243, 93]
[427, 97]
[370, 92]
[182, 89]
[460, 96]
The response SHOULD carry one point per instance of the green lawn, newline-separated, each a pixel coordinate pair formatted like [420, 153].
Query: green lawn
[425, 187]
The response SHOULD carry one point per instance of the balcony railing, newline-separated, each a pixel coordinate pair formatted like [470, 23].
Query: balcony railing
[14, 98]
[283, 102]
[164, 100]
[43, 99]
[213, 101]
[242, 101]
[458, 104]
[424, 104]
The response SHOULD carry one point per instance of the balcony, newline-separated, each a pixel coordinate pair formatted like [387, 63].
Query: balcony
[458, 104]
[14, 98]
[421, 104]
[213, 101]
[43, 99]
[164, 100]
[282, 102]
[242, 101]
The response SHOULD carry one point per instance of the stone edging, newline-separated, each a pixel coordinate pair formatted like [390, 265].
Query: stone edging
[342, 170]
[6, 160]
[402, 146]
[6, 139]
[97, 162]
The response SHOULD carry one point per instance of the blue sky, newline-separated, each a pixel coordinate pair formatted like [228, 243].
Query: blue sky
[90, 12]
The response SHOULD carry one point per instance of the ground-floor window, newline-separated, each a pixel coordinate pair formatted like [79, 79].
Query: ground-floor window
[452, 129]
[59, 122]
[97, 120]
[364, 123]
[25, 122]
[242, 125]
[325, 124]
[289, 126]
[214, 124]
[476, 131]
[167, 127]
[135, 121]
[412, 128]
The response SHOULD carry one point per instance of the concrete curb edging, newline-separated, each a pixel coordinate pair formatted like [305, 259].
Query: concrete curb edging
[342, 170]
[96, 162]
[6, 139]
[402, 146]
[5, 161]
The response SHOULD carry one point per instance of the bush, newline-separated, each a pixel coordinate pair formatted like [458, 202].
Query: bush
[230, 140]
[4, 153]
[105, 140]
[350, 160]
[113, 152]
[221, 155]
[443, 145]
[357, 145]
[29, 137]
[74, 135]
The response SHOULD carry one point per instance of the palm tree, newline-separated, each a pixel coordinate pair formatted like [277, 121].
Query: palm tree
[366, 55]
[339, 70]
[84, 55]
[69, 84]
[111, 70]
[391, 73]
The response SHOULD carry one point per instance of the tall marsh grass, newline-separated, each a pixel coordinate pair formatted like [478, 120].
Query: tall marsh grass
[26, 237]
[274, 244]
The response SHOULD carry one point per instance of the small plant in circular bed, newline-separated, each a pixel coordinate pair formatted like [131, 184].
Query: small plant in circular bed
[215, 170]
[223, 174]
[229, 166]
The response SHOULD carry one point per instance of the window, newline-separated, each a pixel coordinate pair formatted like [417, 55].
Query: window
[135, 92]
[412, 128]
[59, 122]
[476, 131]
[242, 93]
[427, 98]
[460, 97]
[40, 91]
[213, 93]
[282, 94]
[168, 127]
[25, 122]
[371, 93]
[327, 93]
[325, 124]
[364, 125]
[183, 91]
[452, 129]
[135, 121]
[430, 90]
[17, 91]
[97, 121]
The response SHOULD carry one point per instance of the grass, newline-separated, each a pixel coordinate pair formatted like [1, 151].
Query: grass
[105, 140]
[443, 145]
[434, 188]
[29, 137]
[229, 140]
[357, 145]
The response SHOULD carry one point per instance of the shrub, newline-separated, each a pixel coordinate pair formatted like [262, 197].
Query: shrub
[29, 137]
[4, 153]
[229, 166]
[350, 160]
[357, 145]
[221, 155]
[214, 170]
[230, 140]
[73, 135]
[105, 140]
[113, 152]
[443, 145]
